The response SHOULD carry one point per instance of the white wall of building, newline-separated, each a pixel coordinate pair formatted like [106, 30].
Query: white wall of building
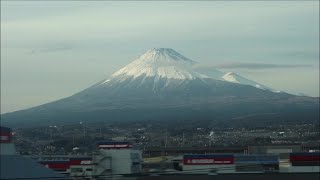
[122, 161]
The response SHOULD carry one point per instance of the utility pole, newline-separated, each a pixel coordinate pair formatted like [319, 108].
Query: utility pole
[50, 132]
[166, 142]
[163, 151]
[182, 139]
[84, 129]
[73, 139]
[211, 138]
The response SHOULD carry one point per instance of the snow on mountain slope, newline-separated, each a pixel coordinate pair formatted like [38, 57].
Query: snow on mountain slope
[231, 77]
[236, 78]
[167, 65]
[210, 72]
[159, 63]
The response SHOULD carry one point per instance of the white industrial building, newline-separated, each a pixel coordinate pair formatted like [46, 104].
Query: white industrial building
[116, 158]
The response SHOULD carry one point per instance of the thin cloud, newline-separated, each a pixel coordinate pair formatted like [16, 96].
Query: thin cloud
[254, 66]
[50, 49]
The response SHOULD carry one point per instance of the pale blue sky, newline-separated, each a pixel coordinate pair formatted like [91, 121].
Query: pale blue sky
[50, 50]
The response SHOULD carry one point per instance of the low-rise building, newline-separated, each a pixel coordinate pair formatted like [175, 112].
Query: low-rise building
[116, 158]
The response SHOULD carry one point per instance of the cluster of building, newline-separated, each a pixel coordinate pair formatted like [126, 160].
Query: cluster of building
[110, 158]
[121, 158]
[61, 139]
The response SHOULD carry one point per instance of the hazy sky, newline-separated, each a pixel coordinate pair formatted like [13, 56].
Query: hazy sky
[53, 49]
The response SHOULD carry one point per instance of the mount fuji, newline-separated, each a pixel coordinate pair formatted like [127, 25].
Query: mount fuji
[163, 85]
[165, 64]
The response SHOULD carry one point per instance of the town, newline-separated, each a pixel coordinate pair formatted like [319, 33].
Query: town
[120, 156]
[81, 138]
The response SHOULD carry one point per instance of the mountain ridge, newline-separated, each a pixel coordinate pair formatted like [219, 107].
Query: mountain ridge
[142, 91]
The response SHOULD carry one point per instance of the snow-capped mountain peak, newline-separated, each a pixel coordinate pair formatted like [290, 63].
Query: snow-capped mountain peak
[167, 65]
[159, 63]
[162, 55]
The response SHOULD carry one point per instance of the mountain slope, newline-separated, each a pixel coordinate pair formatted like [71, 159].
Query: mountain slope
[230, 77]
[236, 78]
[162, 85]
